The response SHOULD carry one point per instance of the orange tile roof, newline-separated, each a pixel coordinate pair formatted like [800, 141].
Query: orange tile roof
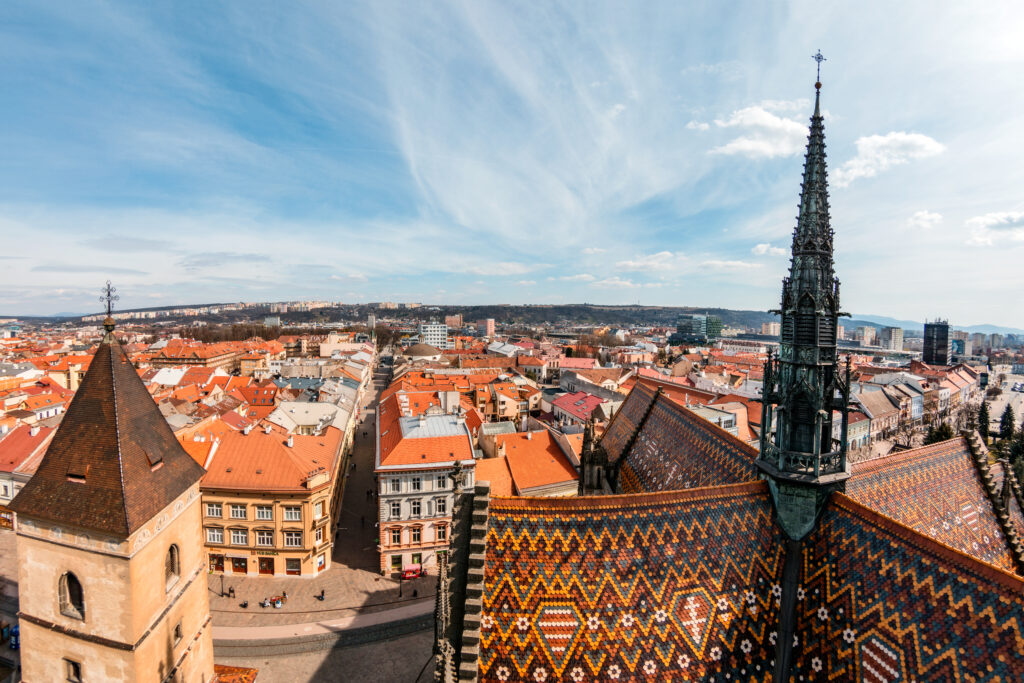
[535, 459]
[19, 445]
[398, 450]
[264, 462]
[495, 471]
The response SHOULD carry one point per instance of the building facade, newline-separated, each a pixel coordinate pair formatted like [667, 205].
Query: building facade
[936, 343]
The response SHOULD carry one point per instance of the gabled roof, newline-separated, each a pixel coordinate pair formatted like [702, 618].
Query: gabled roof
[535, 460]
[674, 448]
[22, 443]
[114, 462]
[937, 491]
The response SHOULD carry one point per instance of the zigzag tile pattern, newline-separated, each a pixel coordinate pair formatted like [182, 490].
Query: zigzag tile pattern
[671, 586]
[625, 421]
[878, 602]
[935, 490]
[677, 449]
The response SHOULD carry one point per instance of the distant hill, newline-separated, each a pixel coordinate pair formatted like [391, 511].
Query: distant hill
[860, 320]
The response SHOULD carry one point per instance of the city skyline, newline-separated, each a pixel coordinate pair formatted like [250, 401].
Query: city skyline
[467, 155]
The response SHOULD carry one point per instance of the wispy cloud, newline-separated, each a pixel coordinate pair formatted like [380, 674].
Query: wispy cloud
[126, 244]
[526, 283]
[924, 220]
[663, 260]
[718, 264]
[763, 133]
[216, 259]
[991, 228]
[877, 153]
[65, 268]
[765, 248]
[593, 250]
[581, 277]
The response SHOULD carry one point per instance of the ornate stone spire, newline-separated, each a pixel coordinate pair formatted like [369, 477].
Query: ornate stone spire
[803, 384]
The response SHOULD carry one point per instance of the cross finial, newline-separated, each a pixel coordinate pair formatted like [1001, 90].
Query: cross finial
[819, 58]
[109, 297]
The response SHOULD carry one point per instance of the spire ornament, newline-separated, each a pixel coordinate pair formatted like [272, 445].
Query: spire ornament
[819, 58]
[108, 297]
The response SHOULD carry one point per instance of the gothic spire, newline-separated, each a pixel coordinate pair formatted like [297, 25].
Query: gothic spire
[803, 386]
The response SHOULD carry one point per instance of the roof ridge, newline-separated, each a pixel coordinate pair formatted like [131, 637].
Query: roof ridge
[874, 464]
[117, 431]
[979, 568]
[623, 500]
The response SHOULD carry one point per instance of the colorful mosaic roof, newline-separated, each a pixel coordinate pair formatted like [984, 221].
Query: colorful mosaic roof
[878, 602]
[676, 449]
[625, 422]
[937, 491]
[668, 586]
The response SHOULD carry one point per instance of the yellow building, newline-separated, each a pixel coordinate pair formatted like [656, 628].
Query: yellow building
[270, 501]
[111, 573]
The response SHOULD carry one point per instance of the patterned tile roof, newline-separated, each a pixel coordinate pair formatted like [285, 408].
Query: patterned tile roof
[676, 449]
[667, 586]
[937, 491]
[879, 602]
[1015, 511]
[625, 422]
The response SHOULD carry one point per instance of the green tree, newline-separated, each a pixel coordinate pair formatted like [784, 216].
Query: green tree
[1006, 423]
[943, 432]
[1016, 451]
[983, 420]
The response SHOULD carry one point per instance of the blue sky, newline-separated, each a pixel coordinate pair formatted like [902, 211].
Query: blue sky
[507, 153]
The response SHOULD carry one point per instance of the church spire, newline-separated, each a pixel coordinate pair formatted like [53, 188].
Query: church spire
[803, 385]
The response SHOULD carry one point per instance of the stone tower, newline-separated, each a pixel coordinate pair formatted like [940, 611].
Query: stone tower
[803, 384]
[111, 575]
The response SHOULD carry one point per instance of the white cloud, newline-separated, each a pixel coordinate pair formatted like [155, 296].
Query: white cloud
[526, 283]
[876, 153]
[594, 250]
[765, 248]
[616, 282]
[924, 220]
[502, 268]
[582, 277]
[986, 230]
[729, 71]
[765, 135]
[663, 260]
[697, 125]
[716, 264]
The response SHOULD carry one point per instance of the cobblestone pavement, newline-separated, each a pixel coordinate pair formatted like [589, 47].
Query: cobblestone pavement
[399, 660]
[353, 584]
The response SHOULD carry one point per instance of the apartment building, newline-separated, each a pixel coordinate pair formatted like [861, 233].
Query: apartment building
[270, 501]
[416, 460]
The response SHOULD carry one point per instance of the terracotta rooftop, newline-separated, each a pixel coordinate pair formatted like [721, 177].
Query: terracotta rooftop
[535, 459]
[114, 462]
[261, 461]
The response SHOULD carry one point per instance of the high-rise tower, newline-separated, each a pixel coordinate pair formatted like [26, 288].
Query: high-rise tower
[803, 385]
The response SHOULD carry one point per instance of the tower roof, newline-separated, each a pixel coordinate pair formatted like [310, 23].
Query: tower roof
[812, 239]
[114, 462]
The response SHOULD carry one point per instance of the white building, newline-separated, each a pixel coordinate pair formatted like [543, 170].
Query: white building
[435, 334]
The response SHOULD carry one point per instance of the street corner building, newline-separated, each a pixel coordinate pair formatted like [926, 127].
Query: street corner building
[111, 574]
[709, 559]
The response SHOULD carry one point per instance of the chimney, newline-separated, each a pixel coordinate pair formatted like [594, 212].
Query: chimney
[529, 436]
[33, 430]
[266, 429]
[247, 429]
[291, 441]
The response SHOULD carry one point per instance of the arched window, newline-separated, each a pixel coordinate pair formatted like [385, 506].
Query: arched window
[172, 566]
[72, 603]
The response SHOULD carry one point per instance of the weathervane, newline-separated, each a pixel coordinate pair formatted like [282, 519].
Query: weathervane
[109, 297]
[819, 58]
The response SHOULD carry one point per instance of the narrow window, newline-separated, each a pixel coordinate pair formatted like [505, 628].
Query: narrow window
[172, 566]
[73, 670]
[177, 633]
[72, 603]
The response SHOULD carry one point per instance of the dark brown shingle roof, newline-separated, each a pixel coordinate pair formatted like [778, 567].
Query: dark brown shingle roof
[114, 462]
